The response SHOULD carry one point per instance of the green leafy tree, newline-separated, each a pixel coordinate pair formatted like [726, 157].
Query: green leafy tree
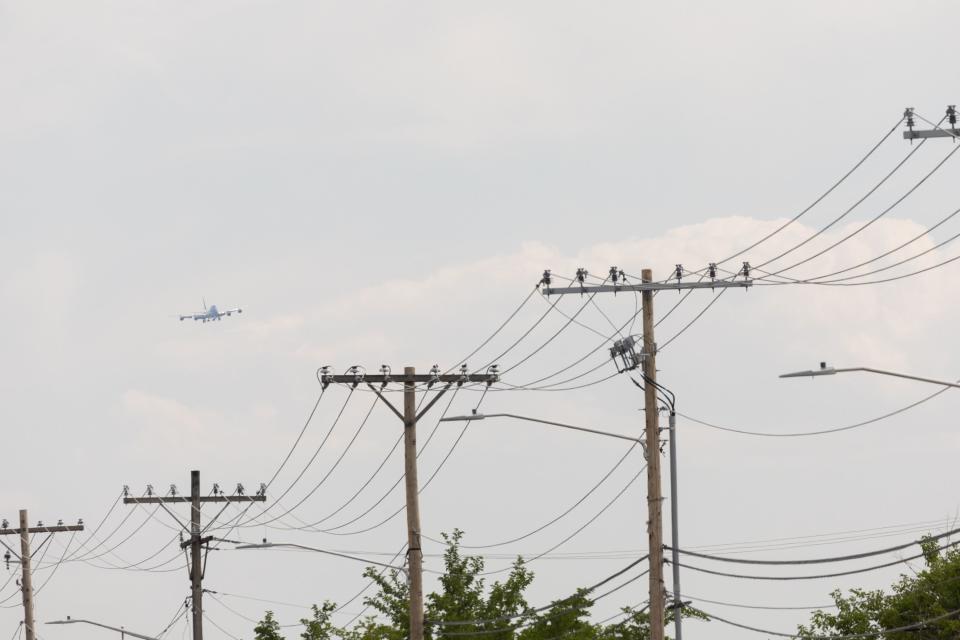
[933, 592]
[566, 618]
[497, 611]
[268, 628]
[319, 626]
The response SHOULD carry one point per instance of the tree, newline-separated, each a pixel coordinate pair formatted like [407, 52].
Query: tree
[319, 627]
[268, 628]
[933, 592]
[464, 604]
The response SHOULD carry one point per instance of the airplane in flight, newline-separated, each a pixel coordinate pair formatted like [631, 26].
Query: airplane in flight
[210, 313]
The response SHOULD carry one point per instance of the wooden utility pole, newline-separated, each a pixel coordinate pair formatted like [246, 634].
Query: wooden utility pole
[414, 550]
[26, 580]
[196, 570]
[410, 417]
[654, 496]
[197, 541]
[624, 354]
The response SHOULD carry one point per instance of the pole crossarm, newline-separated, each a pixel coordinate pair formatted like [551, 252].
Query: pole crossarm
[648, 286]
[56, 529]
[188, 499]
[931, 133]
[203, 540]
[351, 378]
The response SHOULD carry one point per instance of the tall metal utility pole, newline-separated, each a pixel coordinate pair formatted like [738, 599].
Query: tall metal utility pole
[197, 540]
[410, 379]
[25, 556]
[624, 353]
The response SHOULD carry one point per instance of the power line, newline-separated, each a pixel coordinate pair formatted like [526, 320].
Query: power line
[528, 613]
[843, 558]
[424, 485]
[849, 210]
[916, 256]
[536, 288]
[868, 282]
[313, 457]
[818, 432]
[819, 199]
[333, 467]
[821, 539]
[580, 529]
[814, 577]
[870, 634]
[222, 630]
[334, 530]
[590, 492]
[761, 607]
[922, 234]
[311, 526]
[551, 338]
[870, 222]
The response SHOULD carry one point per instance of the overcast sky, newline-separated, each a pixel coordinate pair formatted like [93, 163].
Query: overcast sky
[384, 183]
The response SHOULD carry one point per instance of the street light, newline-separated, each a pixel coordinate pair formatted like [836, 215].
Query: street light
[123, 632]
[291, 545]
[824, 370]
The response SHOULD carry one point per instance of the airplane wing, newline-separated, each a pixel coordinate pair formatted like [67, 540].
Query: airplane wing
[229, 312]
[193, 316]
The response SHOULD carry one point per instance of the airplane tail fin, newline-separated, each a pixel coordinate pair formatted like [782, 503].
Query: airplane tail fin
[204, 303]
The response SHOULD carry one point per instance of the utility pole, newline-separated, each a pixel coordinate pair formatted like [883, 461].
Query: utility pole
[197, 541]
[25, 556]
[624, 355]
[410, 379]
[654, 497]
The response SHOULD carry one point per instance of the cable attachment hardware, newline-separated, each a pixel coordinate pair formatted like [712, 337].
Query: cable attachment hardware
[126, 491]
[6, 557]
[464, 375]
[385, 370]
[493, 371]
[5, 524]
[149, 489]
[547, 278]
[582, 278]
[325, 376]
[39, 523]
[908, 115]
[262, 491]
[359, 373]
[240, 489]
[79, 522]
[60, 522]
[678, 274]
[745, 271]
[712, 271]
[434, 375]
[952, 119]
[216, 489]
[173, 489]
